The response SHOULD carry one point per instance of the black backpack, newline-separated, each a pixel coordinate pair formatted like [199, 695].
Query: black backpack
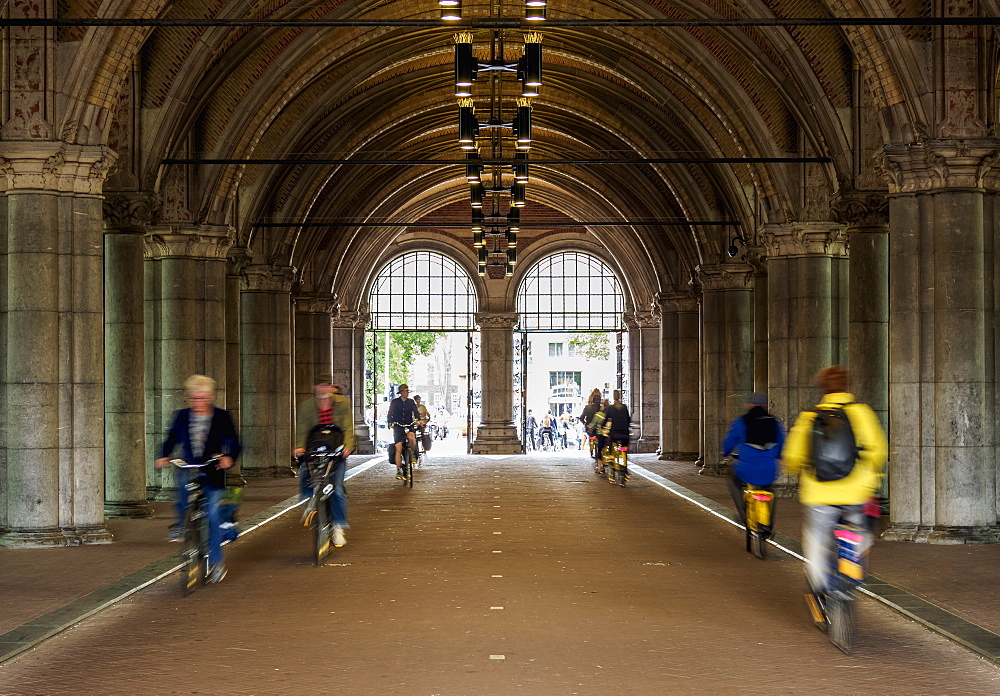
[324, 438]
[834, 449]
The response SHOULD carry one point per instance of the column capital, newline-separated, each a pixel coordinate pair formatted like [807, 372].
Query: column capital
[237, 260]
[933, 164]
[674, 302]
[128, 212]
[316, 303]
[855, 208]
[347, 320]
[267, 278]
[723, 276]
[642, 320]
[170, 241]
[55, 166]
[498, 320]
[790, 240]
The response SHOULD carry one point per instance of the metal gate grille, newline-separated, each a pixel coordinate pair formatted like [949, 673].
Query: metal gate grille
[423, 291]
[571, 291]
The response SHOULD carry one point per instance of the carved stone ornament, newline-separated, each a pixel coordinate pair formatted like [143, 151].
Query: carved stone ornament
[263, 278]
[237, 260]
[642, 320]
[965, 163]
[316, 303]
[724, 276]
[203, 243]
[128, 212]
[861, 208]
[346, 320]
[675, 302]
[496, 321]
[805, 239]
[58, 167]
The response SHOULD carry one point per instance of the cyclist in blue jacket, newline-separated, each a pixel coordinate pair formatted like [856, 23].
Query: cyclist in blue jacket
[755, 439]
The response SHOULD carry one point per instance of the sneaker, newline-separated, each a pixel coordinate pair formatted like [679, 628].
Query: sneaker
[399, 474]
[176, 534]
[338, 537]
[217, 573]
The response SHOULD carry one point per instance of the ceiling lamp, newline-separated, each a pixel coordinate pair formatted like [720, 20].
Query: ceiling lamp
[535, 11]
[477, 195]
[467, 125]
[520, 167]
[511, 238]
[477, 220]
[511, 262]
[451, 10]
[531, 65]
[474, 167]
[477, 238]
[484, 255]
[514, 219]
[466, 65]
[522, 124]
[517, 194]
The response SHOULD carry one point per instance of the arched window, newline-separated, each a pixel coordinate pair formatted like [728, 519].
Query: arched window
[423, 291]
[570, 291]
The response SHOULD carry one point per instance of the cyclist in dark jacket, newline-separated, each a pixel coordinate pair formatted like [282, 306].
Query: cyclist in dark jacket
[589, 411]
[756, 439]
[403, 417]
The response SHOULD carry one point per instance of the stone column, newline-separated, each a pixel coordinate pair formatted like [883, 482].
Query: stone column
[760, 314]
[313, 344]
[266, 368]
[644, 340]
[54, 352]
[679, 382]
[806, 293]
[866, 215]
[186, 325]
[237, 261]
[727, 366]
[356, 383]
[941, 341]
[496, 433]
[126, 217]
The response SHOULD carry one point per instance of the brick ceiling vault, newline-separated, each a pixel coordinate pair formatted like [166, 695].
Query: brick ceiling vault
[387, 92]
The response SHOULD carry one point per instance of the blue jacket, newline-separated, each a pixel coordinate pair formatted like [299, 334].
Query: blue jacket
[758, 467]
[222, 438]
[402, 412]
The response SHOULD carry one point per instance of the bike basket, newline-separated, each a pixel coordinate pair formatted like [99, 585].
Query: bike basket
[324, 438]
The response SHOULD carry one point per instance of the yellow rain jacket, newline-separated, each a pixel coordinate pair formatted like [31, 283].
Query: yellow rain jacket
[858, 486]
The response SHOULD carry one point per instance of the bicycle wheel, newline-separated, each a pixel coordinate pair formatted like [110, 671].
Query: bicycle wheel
[191, 554]
[321, 530]
[840, 612]
[411, 464]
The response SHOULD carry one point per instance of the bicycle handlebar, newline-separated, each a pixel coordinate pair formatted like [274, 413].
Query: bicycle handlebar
[181, 464]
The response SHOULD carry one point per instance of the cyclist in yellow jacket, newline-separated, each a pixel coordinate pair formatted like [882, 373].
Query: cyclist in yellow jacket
[826, 502]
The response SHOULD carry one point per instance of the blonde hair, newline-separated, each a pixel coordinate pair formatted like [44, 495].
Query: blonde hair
[200, 384]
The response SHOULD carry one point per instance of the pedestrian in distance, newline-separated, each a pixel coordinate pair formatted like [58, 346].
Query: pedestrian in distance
[755, 440]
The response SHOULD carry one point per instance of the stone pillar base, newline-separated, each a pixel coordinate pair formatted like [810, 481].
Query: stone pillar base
[270, 472]
[496, 439]
[715, 468]
[941, 534]
[129, 509]
[34, 539]
[94, 534]
[161, 494]
[645, 446]
[364, 444]
[676, 456]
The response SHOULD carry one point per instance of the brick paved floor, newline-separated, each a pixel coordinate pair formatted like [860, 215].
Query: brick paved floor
[494, 575]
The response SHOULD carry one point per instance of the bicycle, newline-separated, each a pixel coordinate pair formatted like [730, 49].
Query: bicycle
[322, 468]
[194, 553]
[614, 461]
[833, 611]
[409, 457]
[758, 504]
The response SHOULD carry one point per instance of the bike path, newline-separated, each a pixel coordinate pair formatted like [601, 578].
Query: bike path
[519, 575]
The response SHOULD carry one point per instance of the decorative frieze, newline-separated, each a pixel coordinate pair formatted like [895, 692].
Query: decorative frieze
[128, 211]
[805, 239]
[642, 320]
[316, 303]
[201, 243]
[347, 320]
[265, 278]
[855, 208]
[669, 302]
[723, 276]
[498, 320]
[941, 164]
[56, 167]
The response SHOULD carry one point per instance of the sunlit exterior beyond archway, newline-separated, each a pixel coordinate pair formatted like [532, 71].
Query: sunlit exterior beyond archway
[570, 291]
[423, 291]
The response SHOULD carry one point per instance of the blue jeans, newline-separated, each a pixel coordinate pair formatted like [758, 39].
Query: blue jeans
[213, 496]
[817, 539]
[338, 501]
